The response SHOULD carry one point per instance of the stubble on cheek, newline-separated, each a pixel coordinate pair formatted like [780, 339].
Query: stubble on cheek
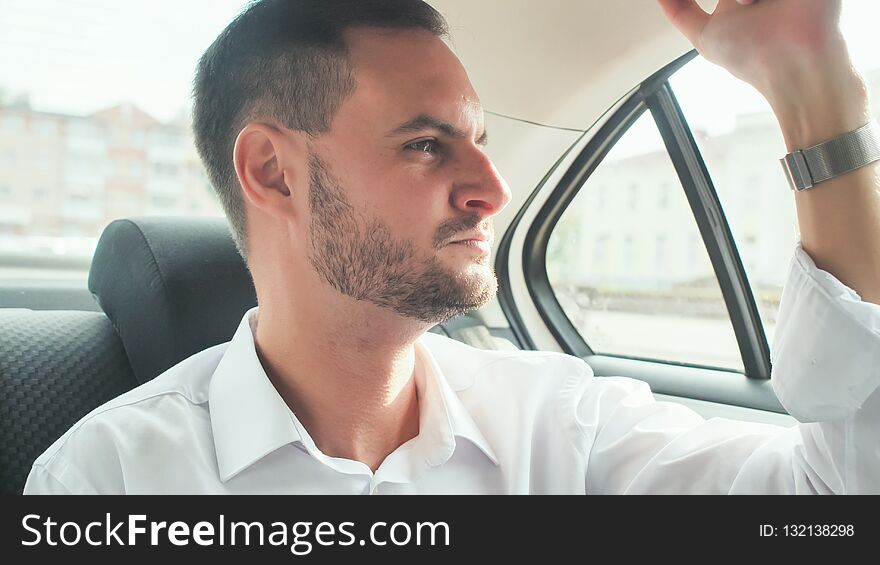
[359, 257]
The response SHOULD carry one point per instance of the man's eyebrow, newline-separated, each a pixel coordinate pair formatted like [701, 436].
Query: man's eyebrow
[425, 121]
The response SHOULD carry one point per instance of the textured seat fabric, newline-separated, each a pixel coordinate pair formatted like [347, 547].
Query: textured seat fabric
[55, 367]
[171, 287]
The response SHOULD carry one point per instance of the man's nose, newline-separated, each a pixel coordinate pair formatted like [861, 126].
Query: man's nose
[479, 187]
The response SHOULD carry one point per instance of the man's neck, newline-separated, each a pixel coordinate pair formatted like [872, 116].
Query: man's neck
[347, 373]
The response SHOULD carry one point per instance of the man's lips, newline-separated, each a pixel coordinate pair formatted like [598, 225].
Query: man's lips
[478, 236]
[480, 244]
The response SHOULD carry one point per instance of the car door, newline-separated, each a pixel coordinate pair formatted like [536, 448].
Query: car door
[657, 247]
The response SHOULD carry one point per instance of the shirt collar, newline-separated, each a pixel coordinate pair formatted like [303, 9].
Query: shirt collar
[446, 415]
[249, 419]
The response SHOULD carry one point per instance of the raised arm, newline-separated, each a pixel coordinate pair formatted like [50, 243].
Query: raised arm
[792, 52]
[826, 350]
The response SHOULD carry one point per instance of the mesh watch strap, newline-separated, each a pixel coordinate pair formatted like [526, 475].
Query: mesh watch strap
[807, 167]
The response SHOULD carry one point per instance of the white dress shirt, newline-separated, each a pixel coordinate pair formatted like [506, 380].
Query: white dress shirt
[502, 422]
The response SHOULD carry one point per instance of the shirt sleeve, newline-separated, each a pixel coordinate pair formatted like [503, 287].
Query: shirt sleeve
[826, 371]
[85, 460]
[41, 481]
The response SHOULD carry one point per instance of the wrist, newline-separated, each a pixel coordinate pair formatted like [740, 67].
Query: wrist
[822, 102]
[822, 116]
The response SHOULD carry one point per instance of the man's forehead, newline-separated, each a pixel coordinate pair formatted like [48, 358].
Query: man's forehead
[411, 75]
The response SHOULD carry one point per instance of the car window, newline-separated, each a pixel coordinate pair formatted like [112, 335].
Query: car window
[628, 266]
[609, 261]
[95, 125]
[740, 143]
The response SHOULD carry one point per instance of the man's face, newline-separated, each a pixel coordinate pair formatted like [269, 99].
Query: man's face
[401, 193]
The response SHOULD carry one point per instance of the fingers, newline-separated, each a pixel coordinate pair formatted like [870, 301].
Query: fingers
[687, 17]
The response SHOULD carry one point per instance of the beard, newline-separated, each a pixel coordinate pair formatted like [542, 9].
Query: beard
[359, 256]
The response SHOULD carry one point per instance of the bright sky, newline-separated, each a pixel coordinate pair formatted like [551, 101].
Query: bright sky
[77, 56]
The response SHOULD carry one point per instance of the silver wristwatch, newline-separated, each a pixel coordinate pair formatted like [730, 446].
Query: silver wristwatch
[807, 167]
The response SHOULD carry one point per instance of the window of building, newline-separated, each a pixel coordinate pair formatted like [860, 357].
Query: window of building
[102, 99]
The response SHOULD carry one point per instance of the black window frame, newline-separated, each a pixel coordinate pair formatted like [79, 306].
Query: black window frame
[656, 96]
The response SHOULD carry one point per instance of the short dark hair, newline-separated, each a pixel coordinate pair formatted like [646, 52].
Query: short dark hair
[285, 59]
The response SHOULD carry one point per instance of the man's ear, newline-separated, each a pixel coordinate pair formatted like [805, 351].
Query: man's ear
[270, 163]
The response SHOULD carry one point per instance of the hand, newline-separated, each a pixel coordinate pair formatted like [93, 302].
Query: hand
[791, 51]
[757, 40]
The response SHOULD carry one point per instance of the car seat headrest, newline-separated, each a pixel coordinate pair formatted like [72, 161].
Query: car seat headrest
[171, 287]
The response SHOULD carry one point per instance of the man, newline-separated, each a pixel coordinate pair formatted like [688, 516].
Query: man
[346, 144]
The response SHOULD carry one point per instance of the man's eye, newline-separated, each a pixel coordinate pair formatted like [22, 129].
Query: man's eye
[423, 146]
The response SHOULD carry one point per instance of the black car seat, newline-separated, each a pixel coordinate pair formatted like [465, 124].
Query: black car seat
[168, 288]
[55, 367]
[171, 287]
